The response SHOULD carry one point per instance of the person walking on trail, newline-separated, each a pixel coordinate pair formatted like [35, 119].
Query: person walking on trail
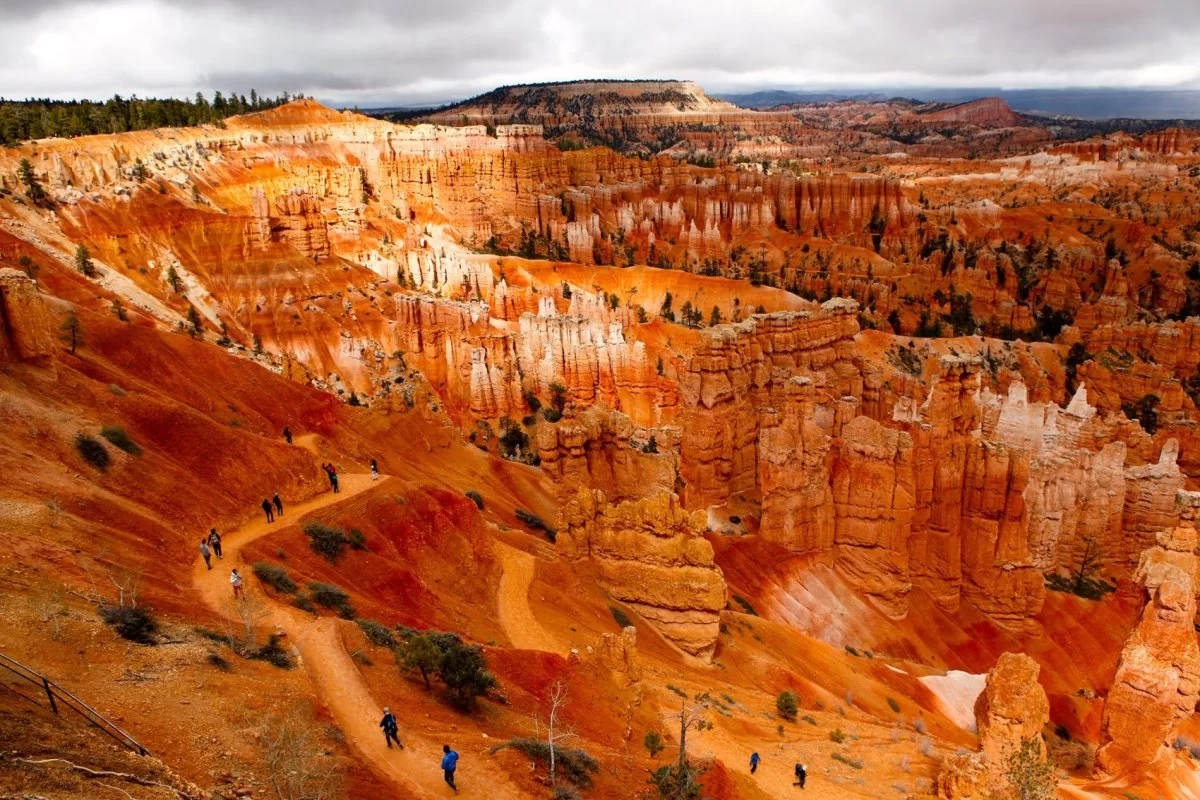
[374, 470]
[754, 759]
[329, 473]
[333, 478]
[278, 505]
[390, 727]
[235, 580]
[449, 764]
[266, 507]
[214, 541]
[801, 775]
[204, 551]
[287, 434]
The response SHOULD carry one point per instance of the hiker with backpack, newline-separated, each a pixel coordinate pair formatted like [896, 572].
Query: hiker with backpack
[374, 470]
[333, 478]
[801, 775]
[278, 505]
[755, 758]
[390, 728]
[214, 541]
[266, 507]
[449, 764]
[204, 551]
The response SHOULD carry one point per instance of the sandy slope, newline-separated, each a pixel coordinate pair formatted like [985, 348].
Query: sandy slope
[335, 678]
[516, 616]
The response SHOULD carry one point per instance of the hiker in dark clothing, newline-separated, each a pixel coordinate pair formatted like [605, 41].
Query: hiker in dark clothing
[374, 470]
[330, 474]
[266, 506]
[449, 764]
[388, 723]
[333, 478]
[278, 505]
[287, 434]
[205, 552]
[801, 775]
[754, 759]
[214, 541]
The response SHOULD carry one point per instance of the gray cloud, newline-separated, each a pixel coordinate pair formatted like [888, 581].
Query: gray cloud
[376, 51]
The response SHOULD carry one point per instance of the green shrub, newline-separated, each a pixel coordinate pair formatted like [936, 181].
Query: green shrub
[837, 736]
[304, 603]
[219, 661]
[213, 636]
[274, 576]
[119, 439]
[378, 635]
[132, 623]
[273, 653]
[653, 743]
[893, 705]
[535, 522]
[464, 671]
[620, 616]
[809, 719]
[332, 597]
[92, 451]
[328, 542]
[571, 764]
[854, 763]
[420, 653]
[787, 705]
[745, 604]
[476, 498]
[357, 539]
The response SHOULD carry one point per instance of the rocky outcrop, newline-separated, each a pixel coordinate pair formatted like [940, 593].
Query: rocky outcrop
[652, 556]
[618, 652]
[1157, 683]
[25, 325]
[1012, 709]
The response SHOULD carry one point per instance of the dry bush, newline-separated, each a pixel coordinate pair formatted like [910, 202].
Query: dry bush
[297, 766]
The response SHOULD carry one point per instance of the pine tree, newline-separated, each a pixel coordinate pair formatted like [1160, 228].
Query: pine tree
[194, 322]
[83, 262]
[173, 278]
[72, 331]
[33, 189]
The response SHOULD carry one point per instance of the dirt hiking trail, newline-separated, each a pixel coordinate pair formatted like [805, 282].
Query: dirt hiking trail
[516, 616]
[416, 770]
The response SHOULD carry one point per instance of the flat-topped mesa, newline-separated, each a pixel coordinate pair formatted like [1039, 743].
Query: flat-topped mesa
[26, 332]
[652, 556]
[1157, 683]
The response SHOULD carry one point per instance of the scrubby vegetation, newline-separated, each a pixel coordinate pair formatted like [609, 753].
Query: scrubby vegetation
[622, 619]
[131, 622]
[274, 576]
[119, 439]
[461, 667]
[536, 523]
[377, 634]
[92, 451]
[476, 498]
[332, 597]
[787, 705]
[330, 543]
[572, 764]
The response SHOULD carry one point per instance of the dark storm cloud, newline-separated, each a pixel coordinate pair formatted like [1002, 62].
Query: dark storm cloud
[371, 51]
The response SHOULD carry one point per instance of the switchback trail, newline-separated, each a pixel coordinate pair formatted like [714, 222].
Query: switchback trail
[335, 678]
[516, 617]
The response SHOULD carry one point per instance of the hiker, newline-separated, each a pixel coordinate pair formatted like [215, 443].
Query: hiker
[278, 505]
[329, 474]
[266, 507]
[204, 551]
[388, 723]
[801, 775]
[214, 541]
[754, 759]
[235, 580]
[287, 434]
[333, 478]
[374, 470]
[449, 764]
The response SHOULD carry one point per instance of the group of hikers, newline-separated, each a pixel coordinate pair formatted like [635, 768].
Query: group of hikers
[801, 772]
[390, 734]
[209, 546]
[267, 507]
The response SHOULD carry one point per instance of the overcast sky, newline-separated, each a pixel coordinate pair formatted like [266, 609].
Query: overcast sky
[373, 52]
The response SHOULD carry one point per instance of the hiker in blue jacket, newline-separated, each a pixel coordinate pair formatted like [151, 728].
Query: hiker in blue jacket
[390, 729]
[449, 764]
[754, 759]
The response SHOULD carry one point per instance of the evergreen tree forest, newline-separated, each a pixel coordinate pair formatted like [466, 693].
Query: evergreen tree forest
[37, 119]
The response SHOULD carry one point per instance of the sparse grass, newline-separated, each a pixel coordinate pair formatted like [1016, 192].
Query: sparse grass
[219, 661]
[893, 705]
[119, 438]
[745, 604]
[304, 603]
[274, 576]
[673, 688]
[836, 736]
[534, 522]
[92, 451]
[117, 390]
[273, 653]
[332, 597]
[376, 633]
[476, 498]
[213, 636]
[622, 619]
[851, 651]
[854, 763]
[809, 719]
